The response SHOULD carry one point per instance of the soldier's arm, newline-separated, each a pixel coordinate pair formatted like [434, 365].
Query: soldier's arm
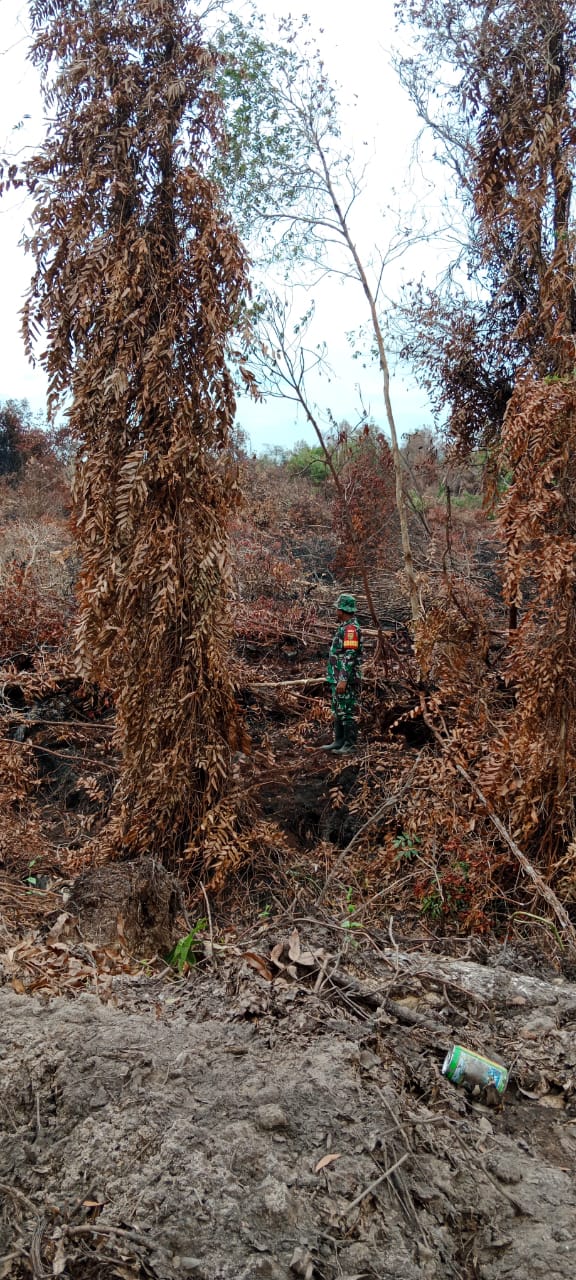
[351, 650]
[340, 666]
[350, 663]
[348, 656]
[338, 654]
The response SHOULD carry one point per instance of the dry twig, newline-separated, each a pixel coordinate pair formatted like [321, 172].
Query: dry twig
[377, 1182]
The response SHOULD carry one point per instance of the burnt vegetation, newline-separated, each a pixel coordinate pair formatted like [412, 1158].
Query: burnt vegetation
[167, 598]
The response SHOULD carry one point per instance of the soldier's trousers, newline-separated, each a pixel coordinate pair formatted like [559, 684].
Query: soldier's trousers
[344, 708]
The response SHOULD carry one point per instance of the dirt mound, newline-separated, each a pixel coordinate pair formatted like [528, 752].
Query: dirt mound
[233, 1127]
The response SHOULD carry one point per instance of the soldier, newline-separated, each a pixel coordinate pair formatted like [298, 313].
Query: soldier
[343, 676]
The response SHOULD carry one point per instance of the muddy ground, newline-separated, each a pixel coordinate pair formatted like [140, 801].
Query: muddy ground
[280, 1112]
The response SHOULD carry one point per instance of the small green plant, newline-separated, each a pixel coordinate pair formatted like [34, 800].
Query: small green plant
[265, 912]
[407, 847]
[183, 955]
[432, 905]
[349, 922]
[32, 880]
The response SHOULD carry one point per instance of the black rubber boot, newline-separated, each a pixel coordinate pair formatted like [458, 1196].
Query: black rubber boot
[349, 739]
[338, 742]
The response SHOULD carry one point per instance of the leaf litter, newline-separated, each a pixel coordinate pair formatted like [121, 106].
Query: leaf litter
[279, 1111]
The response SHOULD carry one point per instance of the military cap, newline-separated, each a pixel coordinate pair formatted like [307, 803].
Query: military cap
[346, 603]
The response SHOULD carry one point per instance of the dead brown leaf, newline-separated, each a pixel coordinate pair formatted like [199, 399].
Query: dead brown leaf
[260, 964]
[276, 955]
[294, 946]
[326, 1160]
[555, 1101]
[57, 927]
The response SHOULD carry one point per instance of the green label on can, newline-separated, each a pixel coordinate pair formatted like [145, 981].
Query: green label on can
[464, 1066]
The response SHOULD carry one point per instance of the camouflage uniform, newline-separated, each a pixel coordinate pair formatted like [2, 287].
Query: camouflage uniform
[344, 659]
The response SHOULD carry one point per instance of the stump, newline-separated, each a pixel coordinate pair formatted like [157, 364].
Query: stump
[134, 902]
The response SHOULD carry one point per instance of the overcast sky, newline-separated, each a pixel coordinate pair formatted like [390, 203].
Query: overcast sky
[356, 40]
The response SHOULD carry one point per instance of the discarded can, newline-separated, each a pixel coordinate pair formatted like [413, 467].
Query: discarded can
[463, 1066]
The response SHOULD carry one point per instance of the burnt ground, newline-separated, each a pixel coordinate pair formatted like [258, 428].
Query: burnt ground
[279, 1111]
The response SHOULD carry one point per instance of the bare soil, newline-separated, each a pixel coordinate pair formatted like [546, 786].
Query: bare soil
[280, 1112]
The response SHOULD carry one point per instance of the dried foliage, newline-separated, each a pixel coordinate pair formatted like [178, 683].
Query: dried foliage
[534, 762]
[21, 839]
[139, 281]
[520, 94]
[139, 276]
[366, 501]
[507, 714]
[30, 615]
[45, 964]
[465, 358]
[502, 110]
[523, 183]
[460, 871]
[282, 548]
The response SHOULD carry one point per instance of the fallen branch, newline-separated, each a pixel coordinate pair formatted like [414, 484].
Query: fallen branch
[107, 1229]
[287, 684]
[544, 889]
[319, 681]
[493, 985]
[375, 998]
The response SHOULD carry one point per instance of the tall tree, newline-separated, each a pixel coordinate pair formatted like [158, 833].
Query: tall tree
[139, 276]
[294, 187]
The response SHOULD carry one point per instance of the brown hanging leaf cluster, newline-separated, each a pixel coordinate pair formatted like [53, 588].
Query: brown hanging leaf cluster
[503, 117]
[365, 503]
[520, 92]
[510, 715]
[139, 277]
[465, 358]
[523, 97]
[534, 760]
